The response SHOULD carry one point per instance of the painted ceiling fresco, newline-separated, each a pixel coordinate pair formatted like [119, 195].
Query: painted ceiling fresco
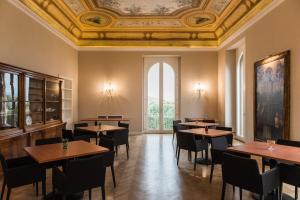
[191, 23]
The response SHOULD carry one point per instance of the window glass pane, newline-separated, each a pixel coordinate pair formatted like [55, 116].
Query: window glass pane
[8, 100]
[168, 96]
[153, 97]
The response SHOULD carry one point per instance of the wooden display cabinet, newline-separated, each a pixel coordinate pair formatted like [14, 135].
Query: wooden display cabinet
[30, 103]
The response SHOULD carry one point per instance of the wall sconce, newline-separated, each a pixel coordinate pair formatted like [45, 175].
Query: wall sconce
[199, 88]
[109, 89]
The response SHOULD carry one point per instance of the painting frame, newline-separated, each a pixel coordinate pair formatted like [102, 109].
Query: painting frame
[276, 123]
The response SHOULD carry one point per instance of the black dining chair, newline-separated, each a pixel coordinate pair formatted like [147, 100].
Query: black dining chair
[19, 172]
[175, 127]
[108, 157]
[188, 142]
[80, 175]
[218, 147]
[228, 137]
[53, 140]
[244, 173]
[209, 121]
[289, 174]
[67, 134]
[120, 137]
[82, 134]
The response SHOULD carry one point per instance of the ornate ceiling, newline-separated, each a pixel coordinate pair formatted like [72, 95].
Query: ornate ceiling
[197, 23]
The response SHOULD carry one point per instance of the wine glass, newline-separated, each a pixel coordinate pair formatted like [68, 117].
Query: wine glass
[270, 143]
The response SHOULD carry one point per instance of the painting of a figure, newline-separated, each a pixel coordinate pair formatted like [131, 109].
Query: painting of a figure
[272, 97]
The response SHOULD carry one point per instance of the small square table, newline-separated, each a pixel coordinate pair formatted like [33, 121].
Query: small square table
[55, 152]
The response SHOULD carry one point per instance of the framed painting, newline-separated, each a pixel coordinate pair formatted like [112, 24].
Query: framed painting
[272, 97]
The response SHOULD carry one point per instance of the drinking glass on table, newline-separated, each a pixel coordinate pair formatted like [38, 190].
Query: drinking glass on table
[270, 143]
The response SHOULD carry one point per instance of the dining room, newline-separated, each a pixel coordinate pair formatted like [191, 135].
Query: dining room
[149, 100]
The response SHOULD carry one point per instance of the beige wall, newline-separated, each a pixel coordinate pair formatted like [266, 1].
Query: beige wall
[276, 32]
[125, 70]
[27, 44]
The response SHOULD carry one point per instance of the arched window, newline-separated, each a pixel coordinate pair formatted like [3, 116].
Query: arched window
[160, 106]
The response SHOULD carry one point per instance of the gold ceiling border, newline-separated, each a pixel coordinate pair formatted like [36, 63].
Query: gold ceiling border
[140, 38]
[246, 18]
[33, 6]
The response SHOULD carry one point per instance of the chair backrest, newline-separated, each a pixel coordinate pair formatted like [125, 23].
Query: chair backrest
[67, 134]
[77, 125]
[124, 125]
[83, 137]
[241, 172]
[209, 121]
[186, 141]
[48, 141]
[106, 142]
[120, 137]
[288, 143]
[108, 156]
[85, 173]
[219, 143]
[102, 116]
[176, 125]
[228, 137]
[114, 116]
[223, 128]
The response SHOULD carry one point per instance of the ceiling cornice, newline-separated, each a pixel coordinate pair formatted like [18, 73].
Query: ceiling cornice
[232, 37]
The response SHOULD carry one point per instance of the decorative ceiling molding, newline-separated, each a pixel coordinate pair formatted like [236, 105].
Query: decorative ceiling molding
[91, 27]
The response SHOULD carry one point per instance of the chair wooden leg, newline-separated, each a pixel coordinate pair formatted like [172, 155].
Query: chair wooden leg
[176, 151]
[90, 194]
[211, 172]
[127, 151]
[296, 192]
[3, 189]
[8, 194]
[113, 175]
[189, 155]
[241, 193]
[178, 155]
[280, 191]
[195, 161]
[223, 191]
[103, 192]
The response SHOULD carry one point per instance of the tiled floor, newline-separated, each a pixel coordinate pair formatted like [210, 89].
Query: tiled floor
[151, 173]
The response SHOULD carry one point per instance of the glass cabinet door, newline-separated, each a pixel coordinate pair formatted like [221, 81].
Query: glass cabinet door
[9, 100]
[34, 100]
[52, 100]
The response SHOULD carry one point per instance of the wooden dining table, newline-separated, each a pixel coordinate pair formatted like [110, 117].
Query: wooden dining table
[43, 154]
[101, 128]
[211, 133]
[198, 124]
[279, 152]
